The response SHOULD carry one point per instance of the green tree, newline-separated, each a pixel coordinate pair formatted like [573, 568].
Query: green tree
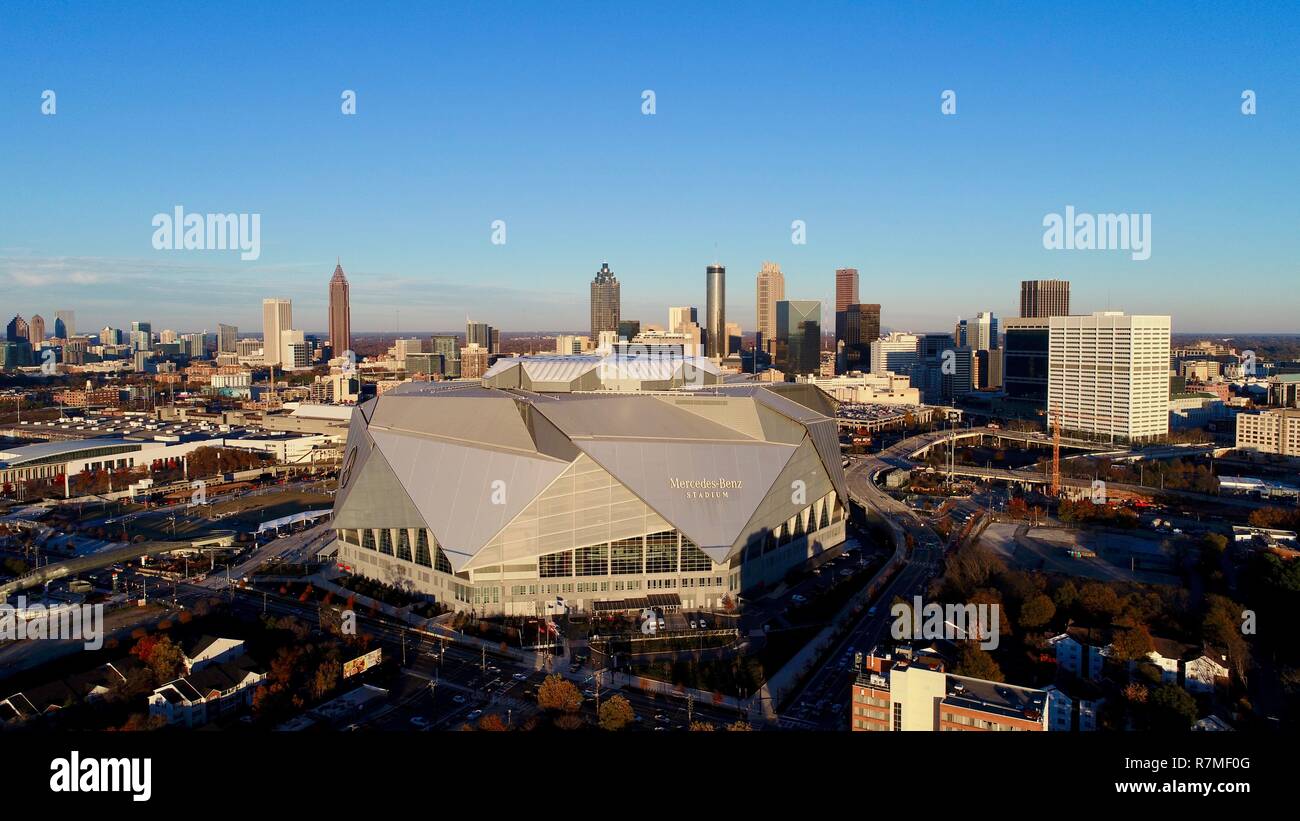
[1172, 708]
[975, 663]
[1037, 612]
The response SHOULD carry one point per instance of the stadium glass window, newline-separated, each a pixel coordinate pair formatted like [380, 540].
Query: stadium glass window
[625, 557]
[368, 539]
[826, 514]
[403, 545]
[592, 560]
[440, 562]
[422, 548]
[694, 559]
[661, 552]
[386, 541]
[552, 565]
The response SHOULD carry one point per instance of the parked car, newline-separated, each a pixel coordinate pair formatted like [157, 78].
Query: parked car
[474, 715]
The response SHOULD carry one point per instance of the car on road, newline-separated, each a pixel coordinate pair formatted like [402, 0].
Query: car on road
[663, 625]
[693, 624]
[420, 721]
[798, 599]
[703, 624]
[519, 677]
[474, 715]
[458, 698]
[872, 611]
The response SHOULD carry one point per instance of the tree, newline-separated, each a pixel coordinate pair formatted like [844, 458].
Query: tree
[975, 663]
[492, 724]
[702, 727]
[1133, 643]
[556, 693]
[1036, 612]
[739, 726]
[1172, 708]
[616, 713]
[1100, 601]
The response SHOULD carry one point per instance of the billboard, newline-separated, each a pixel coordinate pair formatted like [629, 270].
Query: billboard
[360, 664]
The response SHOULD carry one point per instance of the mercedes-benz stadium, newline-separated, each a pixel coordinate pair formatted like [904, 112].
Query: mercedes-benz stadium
[504, 500]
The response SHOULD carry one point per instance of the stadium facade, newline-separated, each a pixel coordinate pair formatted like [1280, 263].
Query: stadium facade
[497, 499]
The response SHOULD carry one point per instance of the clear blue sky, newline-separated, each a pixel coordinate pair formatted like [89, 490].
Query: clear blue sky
[468, 113]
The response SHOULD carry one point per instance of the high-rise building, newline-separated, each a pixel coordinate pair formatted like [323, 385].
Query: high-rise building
[478, 333]
[605, 302]
[1025, 360]
[980, 333]
[18, 330]
[680, 317]
[1044, 297]
[734, 338]
[857, 328]
[141, 336]
[277, 316]
[628, 328]
[1271, 431]
[1108, 374]
[36, 329]
[798, 336]
[473, 361]
[194, 345]
[715, 311]
[65, 324]
[340, 312]
[227, 335]
[846, 288]
[771, 290]
[932, 374]
[895, 353]
[448, 346]
[294, 352]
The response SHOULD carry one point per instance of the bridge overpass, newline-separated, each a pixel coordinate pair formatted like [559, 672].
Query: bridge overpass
[104, 558]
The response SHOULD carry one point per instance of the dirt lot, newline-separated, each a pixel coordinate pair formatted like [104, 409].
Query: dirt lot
[1131, 557]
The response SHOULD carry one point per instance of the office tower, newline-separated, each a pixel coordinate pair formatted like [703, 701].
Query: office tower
[771, 290]
[895, 353]
[680, 317]
[928, 372]
[980, 333]
[1271, 431]
[1044, 297]
[167, 336]
[449, 347]
[36, 329]
[194, 345]
[846, 288]
[572, 344]
[294, 352]
[340, 312]
[478, 333]
[403, 348]
[798, 336]
[494, 341]
[227, 336]
[141, 336]
[604, 302]
[1108, 374]
[65, 324]
[1025, 360]
[734, 337]
[17, 330]
[109, 336]
[277, 316]
[715, 311]
[628, 328]
[857, 327]
[473, 361]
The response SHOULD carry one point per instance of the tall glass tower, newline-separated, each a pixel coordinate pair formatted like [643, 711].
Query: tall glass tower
[604, 302]
[716, 311]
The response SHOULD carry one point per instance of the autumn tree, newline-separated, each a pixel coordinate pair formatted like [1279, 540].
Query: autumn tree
[492, 723]
[557, 693]
[702, 727]
[1037, 612]
[1132, 643]
[616, 713]
[975, 663]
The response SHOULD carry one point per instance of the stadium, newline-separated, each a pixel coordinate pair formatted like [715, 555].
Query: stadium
[502, 501]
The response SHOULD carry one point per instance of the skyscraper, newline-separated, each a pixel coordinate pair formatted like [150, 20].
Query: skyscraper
[846, 288]
[340, 313]
[679, 317]
[65, 324]
[980, 333]
[857, 327]
[771, 290]
[798, 336]
[1108, 373]
[1025, 360]
[277, 316]
[227, 336]
[17, 330]
[479, 333]
[1044, 297]
[716, 311]
[142, 336]
[36, 329]
[604, 302]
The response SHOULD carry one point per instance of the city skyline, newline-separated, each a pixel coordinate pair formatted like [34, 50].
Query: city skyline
[956, 200]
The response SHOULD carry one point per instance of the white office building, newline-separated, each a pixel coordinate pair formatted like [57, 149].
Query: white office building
[895, 353]
[1108, 374]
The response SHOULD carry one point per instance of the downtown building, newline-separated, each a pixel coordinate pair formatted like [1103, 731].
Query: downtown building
[595, 483]
[340, 308]
[1043, 298]
[605, 303]
[1108, 375]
